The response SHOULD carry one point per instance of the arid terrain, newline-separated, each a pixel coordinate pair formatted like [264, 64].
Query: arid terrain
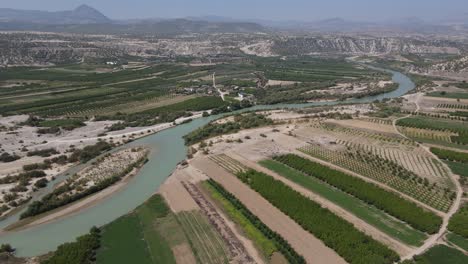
[206, 140]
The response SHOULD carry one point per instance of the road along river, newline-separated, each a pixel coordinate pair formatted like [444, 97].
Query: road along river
[167, 151]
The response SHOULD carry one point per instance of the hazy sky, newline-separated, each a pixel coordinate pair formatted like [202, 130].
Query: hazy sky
[264, 9]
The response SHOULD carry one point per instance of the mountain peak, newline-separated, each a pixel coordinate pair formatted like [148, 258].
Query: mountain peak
[84, 8]
[89, 14]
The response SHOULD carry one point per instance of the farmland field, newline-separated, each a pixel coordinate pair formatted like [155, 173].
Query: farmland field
[263, 237]
[138, 235]
[409, 212]
[414, 161]
[441, 254]
[368, 213]
[458, 240]
[458, 127]
[318, 221]
[384, 171]
[208, 246]
[132, 247]
[459, 222]
[449, 95]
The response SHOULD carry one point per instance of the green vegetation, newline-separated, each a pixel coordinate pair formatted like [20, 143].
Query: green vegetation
[310, 69]
[461, 128]
[263, 237]
[156, 210]
[67, 124]
[459, 169]
[136, 238]
[206, 243]
[462, 85]
[6, 248]
[385, 110]
[384, 200]
[421, 80]
[122, 242]
[366, 212]
[450, 155]
[43, 152]
[150, 233]
[459, 222]
[83, 251]
[167, 113]
[90, 152]
[449, 95]
[457, 162]
[213, 129]
[458, 240]
[7, 157]
[338, 234]
[66, 194]
[440, 254]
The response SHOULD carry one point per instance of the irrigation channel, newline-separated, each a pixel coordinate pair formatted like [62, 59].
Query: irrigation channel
[168, 150]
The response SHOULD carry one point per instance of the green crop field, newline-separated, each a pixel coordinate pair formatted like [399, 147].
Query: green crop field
[458, 168]
[459, 222]
[459, 241]
[142, 236]
[131, 248]
[366, 212]
[441, 254]
[449, 95]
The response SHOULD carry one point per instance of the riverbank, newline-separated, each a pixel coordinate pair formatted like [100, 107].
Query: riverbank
[72, 208]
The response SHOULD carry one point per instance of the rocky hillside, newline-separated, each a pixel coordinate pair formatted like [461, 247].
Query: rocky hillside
[31, 49]
[360, 45]
[456, 66]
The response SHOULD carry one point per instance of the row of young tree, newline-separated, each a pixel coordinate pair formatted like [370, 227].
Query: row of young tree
[350, 243]
[450, 155]
[461, 128]
[283, 246]
[384, 200]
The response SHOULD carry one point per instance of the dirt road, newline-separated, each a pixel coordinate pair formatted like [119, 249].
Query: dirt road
[311, 248]
[363, 226]
[432, 240]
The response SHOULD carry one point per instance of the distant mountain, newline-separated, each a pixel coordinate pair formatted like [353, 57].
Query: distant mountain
[163, 27]
[81, 15]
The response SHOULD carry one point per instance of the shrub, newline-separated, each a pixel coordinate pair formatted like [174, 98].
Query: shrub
[6, 157]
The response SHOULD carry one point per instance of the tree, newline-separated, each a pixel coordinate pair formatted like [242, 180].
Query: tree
[6, 248]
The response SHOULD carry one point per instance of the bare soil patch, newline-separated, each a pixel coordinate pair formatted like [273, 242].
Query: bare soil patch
[313, 250]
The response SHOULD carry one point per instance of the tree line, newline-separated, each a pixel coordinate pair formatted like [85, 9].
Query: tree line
[384, 200]
[283, 246]
[450, 155]
[213, 129]
[350, 243]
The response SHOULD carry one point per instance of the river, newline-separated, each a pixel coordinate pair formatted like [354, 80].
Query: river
[168, 150]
